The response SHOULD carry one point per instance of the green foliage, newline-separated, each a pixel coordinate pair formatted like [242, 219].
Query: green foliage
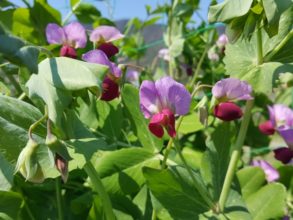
[10, 203]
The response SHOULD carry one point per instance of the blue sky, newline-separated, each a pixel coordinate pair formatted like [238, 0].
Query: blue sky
[121, 9]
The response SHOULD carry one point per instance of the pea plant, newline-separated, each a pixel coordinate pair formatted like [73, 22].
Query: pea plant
[95, 125]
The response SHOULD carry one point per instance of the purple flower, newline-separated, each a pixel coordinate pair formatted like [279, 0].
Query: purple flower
[105, 34]
[287, 134]
[271, 173]
[103, 37]
[222, 41]
[110, 84]
[281, 115]
[232, 89]
[284, 154]
[161, 101]
[226, 91]
[164, 54]
[71, 36]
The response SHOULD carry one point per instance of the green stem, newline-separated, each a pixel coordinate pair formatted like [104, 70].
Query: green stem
[4, 64]
[34, 125]
[59, 198]
[99, 188]
[279, 47]
[71, 12]
[259, 46]
[198, 67]
[235, 155]
[22, 96]
[202, 191]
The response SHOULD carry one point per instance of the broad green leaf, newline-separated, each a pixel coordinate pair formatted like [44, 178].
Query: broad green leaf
[10, 205]
[215, 160]
[15, 51]
[58, 77]
[268, 203]
[251, 179]
[190, 124]
[130, 99]
[286, 176]
[229, 9]
[4, 90]
[273, 10]
[6, 174]
[176, 47]
[87, 13]
[175, 191]
[144, 203]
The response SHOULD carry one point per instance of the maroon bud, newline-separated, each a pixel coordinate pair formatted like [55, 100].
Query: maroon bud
[110, 89]
[266, 128]
[227, 111]
[283, 154]
[109, 49]
[67, 51]
[62, 166]
[189, 71]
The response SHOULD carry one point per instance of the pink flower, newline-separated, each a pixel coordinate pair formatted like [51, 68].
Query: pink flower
[71, 36]
[271, 173]
[161, 101]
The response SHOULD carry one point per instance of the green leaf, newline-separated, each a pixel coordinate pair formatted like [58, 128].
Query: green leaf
[6, 174]
[176, 47]
[87, 13]
[10, 205]
[215, 160]
[58, 77]
[268, 203]
[175, 191]
[273, 10]
[190, 124]
[228, 10]
[130, 99]
[251, 179]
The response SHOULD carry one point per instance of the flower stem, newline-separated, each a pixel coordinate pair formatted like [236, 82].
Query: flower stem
[259, 46]
[235, 155]
[76, 5]
[34, 125]
[99, 188]
[59, 198]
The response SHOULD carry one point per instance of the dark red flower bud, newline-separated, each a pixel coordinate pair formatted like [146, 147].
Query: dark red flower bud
[67, 51]
[266, 128]
[110, 89]
[109, 49]
[283, 154]
[62, 166]
[227, 111]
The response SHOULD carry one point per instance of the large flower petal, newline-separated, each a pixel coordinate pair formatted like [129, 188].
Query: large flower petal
[173, 95]
[281, 115]
[149, 99]
[105, 34]
[232, 89]
[271, 173]
[75, 35]
[97, 56]
[55, 34]
[287, 134]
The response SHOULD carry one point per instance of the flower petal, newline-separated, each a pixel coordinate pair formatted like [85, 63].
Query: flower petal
[284, 154]
[227, 111]
[75, 35]
[55, 34]
[105, 34]
[287, 135]
[266, 128]
[97, 56]
[149, 99]
[173, 95]
[281, 115]
[232, 89]
[271, 173]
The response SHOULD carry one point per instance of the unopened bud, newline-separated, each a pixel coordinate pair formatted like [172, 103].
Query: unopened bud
[62, 166]
[228, 111]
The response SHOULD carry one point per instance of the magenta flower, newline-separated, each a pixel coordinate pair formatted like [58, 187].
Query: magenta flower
[161, 101]
[284, 154]
[226, 91]
[280, 115]
[110, 83]
[271, 173]
[71, 36]
[103, 36]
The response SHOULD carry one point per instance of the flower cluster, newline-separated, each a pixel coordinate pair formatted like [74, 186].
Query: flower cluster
[226, 92]
[73, 36]
[281, 121]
